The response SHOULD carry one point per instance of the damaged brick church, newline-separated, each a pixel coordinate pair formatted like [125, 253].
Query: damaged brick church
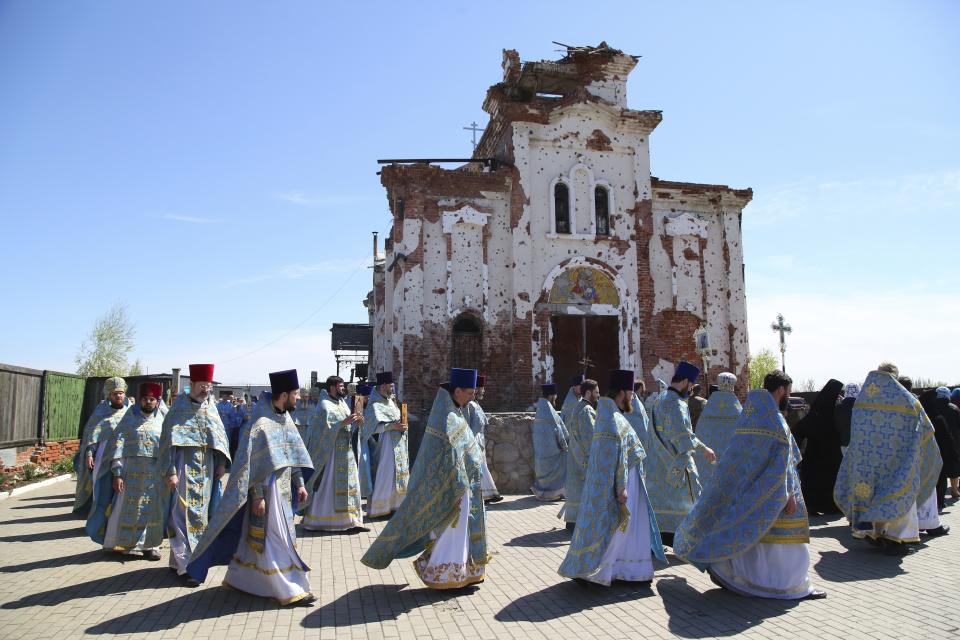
[554, 250]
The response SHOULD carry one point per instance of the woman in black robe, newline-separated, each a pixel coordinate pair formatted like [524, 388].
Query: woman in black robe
[821, 453]
[947, 432]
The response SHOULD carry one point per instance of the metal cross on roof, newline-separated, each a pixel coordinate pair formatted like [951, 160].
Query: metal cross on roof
[474, 128]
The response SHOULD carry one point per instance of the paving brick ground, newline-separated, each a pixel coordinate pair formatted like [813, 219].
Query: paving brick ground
[56, 583]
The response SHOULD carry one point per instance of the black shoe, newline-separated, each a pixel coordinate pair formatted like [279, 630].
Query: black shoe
[191, 582]
[358, 529]
[942, 530]
[494, 499]
[151, 554]
[816, 594]
[667, 539]
[896, 549]
[571, 526]
[715, 580]
[303, 602]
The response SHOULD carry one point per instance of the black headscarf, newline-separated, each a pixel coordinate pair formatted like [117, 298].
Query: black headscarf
[822, 455]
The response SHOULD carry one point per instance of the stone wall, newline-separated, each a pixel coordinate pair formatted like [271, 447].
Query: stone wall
[510, 451]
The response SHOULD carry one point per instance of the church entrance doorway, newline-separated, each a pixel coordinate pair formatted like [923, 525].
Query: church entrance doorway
[584, 343]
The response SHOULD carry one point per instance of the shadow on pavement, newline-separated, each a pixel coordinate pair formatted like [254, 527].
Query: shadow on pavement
[202, 604]
[53, 517]
[553, 538]
[860, 561]
[715, 613]
[62, 496]
[378, 602]
[528, 502]
[568, 597]
[45, 536]
[88, 557]
[47, 505]
[147, 578]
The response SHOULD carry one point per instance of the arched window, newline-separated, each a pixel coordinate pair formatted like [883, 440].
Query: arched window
[601, 201]
[467, 342]
[561, 208]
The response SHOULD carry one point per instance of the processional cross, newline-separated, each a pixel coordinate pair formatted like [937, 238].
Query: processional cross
[784, 329]
[586, 363]
[474, 128]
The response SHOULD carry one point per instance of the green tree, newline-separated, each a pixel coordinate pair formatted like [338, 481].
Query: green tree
[136, 369]
[107, 347]
[761, 363]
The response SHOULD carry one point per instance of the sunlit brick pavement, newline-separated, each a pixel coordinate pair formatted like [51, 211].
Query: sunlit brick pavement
[55, 583]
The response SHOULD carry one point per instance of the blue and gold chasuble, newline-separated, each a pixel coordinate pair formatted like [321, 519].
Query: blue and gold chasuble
[614, 451]
[672, 478]
[715, 429]
[270, 448]
[195, 428]
[638, 420]
[892, 460]
[580, 429]
[550, 441]
[744, 503]
[384, 411]
[99, 425]
[328, 436]
[135, 444]
[447, 465]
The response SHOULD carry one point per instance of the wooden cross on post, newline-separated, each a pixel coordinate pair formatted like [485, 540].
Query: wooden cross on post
[474, 128]
[586, 363]
[784, 329]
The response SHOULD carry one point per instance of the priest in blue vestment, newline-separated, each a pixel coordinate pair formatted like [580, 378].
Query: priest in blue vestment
[478, 424]
[574, 393]
[638, 414]
[750, 529]
[129, 513]
[96, 432]
[616, 537]
[334, 502]
[443, 514]
[194, 452]
[550, 442]
[382, 416]
[715, 428]
[891, 464]
[364, 445]
[580, 430]
[672, 478]
[252, 530]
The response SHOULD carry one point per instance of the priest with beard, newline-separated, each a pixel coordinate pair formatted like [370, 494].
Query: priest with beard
[816, 434]
[891, 466]
[194, 452]
[382, 416]
[96, 432]
[334, 503]
[749, 530]
[252, 531]
[550, 442]
[443, 516]
[616, 537]
[129, 515]
[672, 478]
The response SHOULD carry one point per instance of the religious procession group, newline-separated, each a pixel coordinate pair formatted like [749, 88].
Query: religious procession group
[727, 498]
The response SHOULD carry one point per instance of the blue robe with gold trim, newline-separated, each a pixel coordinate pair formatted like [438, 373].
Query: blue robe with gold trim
[99, 425]
[614, 451]
[715, 429]
[580, 432]
[271, 445]
[550, 441]
[380, 411]
[892, 460]
[672, 478]
[328, 436]
[447, 466]
[744, 504]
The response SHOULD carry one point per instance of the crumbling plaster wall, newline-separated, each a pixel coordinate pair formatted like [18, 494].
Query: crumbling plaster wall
[584, 144]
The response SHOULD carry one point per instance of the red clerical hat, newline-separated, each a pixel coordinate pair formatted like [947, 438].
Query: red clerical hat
[482, 380]
[151, 389]
[201, 372]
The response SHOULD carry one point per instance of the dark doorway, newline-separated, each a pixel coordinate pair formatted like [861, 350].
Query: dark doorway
[575, 337]
[467, 342]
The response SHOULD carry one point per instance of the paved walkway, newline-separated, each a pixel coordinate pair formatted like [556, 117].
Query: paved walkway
[56, 583]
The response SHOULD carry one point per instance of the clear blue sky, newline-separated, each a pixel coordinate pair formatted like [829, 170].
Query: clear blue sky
[213, 164]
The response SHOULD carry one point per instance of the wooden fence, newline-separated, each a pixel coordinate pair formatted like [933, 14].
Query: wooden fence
[38, 405]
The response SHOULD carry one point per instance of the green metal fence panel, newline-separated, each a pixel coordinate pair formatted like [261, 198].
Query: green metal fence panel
[62, 405]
